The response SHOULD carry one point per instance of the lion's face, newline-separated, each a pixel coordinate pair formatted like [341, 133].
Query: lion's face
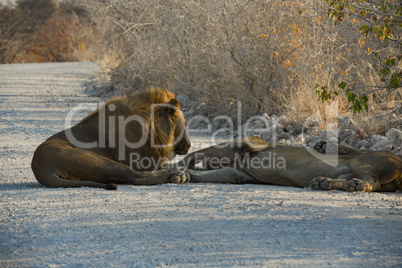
[181, 141]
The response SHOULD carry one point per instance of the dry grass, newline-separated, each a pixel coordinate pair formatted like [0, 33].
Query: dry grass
[266, 54]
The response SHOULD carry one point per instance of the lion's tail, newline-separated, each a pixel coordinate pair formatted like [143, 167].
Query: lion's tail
[57, 182]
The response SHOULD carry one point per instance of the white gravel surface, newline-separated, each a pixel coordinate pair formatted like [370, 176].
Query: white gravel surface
[190, 225]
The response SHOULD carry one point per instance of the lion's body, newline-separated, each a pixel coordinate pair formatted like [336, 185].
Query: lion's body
[257, 161]
[99, 150]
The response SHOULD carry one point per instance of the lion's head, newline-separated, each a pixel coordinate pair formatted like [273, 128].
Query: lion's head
[169, 128]
[152, 116]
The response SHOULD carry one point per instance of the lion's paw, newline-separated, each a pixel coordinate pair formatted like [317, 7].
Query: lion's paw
[179, 176]
[356, 185]
[321, 183]
[321, 146]
[111, 186]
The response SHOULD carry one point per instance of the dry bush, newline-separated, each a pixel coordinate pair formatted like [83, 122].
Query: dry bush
[45, 31]
[16, 23]
[268, 55]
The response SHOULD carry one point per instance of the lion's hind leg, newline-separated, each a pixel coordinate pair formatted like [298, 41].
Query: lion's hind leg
[57, 165]
[349, 185]
[54, 176]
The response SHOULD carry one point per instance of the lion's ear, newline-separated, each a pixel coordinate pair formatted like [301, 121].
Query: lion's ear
[173, 105]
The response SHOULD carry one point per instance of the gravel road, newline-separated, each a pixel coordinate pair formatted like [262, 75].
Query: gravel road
[190, 225]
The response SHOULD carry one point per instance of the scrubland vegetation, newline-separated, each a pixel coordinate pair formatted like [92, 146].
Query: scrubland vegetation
[46, 31]
[275, 57]
[268, 55]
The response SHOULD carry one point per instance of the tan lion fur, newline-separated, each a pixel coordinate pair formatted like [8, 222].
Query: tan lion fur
[351, 169]
[58, 162]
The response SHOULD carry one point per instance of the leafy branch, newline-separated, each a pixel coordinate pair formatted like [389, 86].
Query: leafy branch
[383, 22]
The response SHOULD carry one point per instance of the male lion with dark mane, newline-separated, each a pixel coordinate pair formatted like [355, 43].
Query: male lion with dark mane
[254, 160]
[145, 129]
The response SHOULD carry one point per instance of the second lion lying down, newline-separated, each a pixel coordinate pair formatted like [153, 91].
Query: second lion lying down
[257, 161]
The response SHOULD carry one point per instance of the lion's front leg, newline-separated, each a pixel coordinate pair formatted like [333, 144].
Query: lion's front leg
[224, 154]
[350, 185]
[224, 175]
[176, 175]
